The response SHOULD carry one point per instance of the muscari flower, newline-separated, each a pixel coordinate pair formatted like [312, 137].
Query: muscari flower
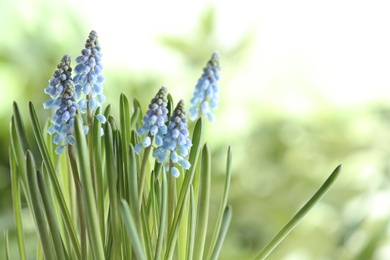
[206, 93]
[89, 77]
[58, 82]
[62, 98]
[63, 118]
[176, 142]
[154, 121]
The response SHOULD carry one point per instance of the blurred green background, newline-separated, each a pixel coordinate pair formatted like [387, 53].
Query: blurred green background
[305, 87]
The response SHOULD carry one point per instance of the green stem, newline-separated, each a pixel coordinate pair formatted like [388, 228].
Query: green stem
[301, 213]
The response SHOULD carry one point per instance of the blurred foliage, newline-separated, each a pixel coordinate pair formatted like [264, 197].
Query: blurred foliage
[197, 46]
[280, 160]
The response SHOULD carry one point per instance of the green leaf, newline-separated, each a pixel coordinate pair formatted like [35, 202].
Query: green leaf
[226, 218]
[163, 216]
[89, 198]
[51, 218]
[137, 106]
[192, 225]
[222, 207]
[124, 114]
[301, 213]
[128, 219]
[203, 204]
[112, 178]
[21, 130]
[99, 173]
[53, 177]
[6, 244]
[17, 206]
[38, 208]
[133, 186]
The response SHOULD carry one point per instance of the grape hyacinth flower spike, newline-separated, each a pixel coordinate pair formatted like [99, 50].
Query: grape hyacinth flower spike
[63, 118]
[206, 93]
[58, 82]
[89, 77]
[154, 121]
[176, 142]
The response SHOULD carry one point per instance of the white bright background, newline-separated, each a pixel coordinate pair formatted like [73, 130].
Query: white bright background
[341, 48]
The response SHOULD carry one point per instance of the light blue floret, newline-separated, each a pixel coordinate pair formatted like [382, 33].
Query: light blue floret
[206, 93]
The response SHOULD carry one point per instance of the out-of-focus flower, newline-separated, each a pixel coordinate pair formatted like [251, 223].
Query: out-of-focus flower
[89, 77]
[154, 121]
[176, 142]
[206, 94]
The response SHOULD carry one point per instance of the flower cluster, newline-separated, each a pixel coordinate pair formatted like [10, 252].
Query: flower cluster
[206, 94]
[172, 139]
[154, 121]
[176, 142]
[89, 77]
[58, 82]
[63, 118]
[62, 93]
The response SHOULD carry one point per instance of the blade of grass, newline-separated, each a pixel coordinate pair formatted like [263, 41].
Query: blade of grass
[128, 219]
[301, 213]
[222, 207]
[226, 218]
[53, 177]
[203, 203]
[88, 192]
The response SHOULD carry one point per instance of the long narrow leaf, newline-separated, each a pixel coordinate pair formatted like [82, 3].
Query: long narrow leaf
[203, 203]
[53, 177]
[20, 128]
[222, 207]
[112, 178]
[192, 225]
[163, 216]
[99, 171]
[51, 219]
[301, 213]
[226, 218]
[89, 198]
[17, 206]
[38, 209]
[6, 244]
[128, 219]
